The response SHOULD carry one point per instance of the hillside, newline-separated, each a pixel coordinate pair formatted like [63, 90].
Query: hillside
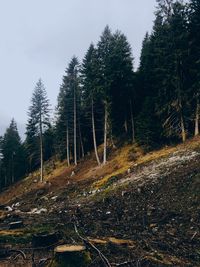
[140, 209]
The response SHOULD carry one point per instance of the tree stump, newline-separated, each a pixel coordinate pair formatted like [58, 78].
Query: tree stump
[70, 256]
[44, 240]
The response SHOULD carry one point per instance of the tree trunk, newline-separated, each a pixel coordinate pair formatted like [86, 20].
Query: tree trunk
[197, 117]
[75, 145]
[41, 151]
[183, 132]
[81, 140]
[126, 126]
[105, 134]
[180, 90]
[13, 177]
[132, 123]
[94, 135]
[67, 143]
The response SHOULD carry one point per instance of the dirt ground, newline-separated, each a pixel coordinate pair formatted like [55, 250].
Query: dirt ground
[149, 204]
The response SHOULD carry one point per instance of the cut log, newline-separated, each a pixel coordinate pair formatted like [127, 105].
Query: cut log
[113, 241]
[121, 242]
[16, 225]
[70, 256]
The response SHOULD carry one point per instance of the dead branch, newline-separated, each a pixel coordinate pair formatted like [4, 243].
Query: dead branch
[90, 245]
[19, 253]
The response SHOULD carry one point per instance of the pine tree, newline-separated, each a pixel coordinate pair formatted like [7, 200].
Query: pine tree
[14, 157]
[89, 76]
[115, 84]
[170, 46]
[68, 110]
[2, 182]
[31, 144]
[104, 50]
[194, 59]
[62, 122]
[121, 85]
[38, 120]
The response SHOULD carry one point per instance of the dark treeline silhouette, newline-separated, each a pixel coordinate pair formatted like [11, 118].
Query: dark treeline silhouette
[103, 101]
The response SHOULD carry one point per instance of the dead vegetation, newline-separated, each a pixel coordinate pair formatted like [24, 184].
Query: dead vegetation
[137, 209]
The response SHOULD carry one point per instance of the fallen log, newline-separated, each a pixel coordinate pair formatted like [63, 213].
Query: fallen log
[16, 225]
[70, 256]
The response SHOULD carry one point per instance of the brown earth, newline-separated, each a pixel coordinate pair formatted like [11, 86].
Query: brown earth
[149, 202]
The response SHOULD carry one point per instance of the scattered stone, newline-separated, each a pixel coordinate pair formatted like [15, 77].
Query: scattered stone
[45, 198]
[38, 211]
[8, 208]
[73, 173]
[129, 171]
[54, 198]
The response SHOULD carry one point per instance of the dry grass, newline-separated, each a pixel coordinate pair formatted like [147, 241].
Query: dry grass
[120, 160]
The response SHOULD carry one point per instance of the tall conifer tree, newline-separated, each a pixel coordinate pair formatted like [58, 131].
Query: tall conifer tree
[39, 119]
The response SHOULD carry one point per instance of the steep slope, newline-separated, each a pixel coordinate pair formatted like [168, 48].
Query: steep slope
[152, 200]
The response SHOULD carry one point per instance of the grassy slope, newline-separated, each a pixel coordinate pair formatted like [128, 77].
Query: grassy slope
[152, 199]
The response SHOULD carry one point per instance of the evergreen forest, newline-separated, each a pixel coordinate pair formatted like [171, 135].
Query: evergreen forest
[105, 102]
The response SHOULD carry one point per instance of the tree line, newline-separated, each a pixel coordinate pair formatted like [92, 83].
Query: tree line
[104, 102]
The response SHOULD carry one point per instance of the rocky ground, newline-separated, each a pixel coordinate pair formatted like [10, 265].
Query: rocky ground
[144, 212]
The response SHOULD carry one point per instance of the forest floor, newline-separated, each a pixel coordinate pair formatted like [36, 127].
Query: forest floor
[139, 209]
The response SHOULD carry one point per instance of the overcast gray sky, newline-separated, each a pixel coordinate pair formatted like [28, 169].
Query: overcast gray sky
[39, 37]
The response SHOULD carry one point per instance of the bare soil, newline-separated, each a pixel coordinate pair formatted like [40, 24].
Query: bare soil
[148, 203]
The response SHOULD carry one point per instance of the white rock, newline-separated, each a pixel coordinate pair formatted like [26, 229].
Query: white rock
[8, 208]
[73, 173]
[38, 211]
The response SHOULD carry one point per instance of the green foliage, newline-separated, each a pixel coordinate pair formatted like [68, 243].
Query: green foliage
[160, 102]
[69, 99]
[148, 127]
[38, 123]
[13, 163]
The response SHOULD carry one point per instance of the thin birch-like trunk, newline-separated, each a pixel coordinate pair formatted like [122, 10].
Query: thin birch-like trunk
[67, 144]
[41, 151]
[75, 145]
[132, 123]
[126, 126]
[94, 135]
[197, 117]
[13, 178]
[183, 131]
[81, 140]
[105, 134]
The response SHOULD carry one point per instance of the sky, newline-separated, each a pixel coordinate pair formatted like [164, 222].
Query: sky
[39, 37]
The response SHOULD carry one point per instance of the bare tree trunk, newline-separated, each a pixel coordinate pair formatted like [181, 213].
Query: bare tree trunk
[81, 140]
[41, 151]
[197, 117]
[111, 139]
[94, 135]
[180, 89]
[132, 122]
[126, 126]
[75, 145]
[12, 178]
[67, 143]
[105, 134]
[183, 132]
